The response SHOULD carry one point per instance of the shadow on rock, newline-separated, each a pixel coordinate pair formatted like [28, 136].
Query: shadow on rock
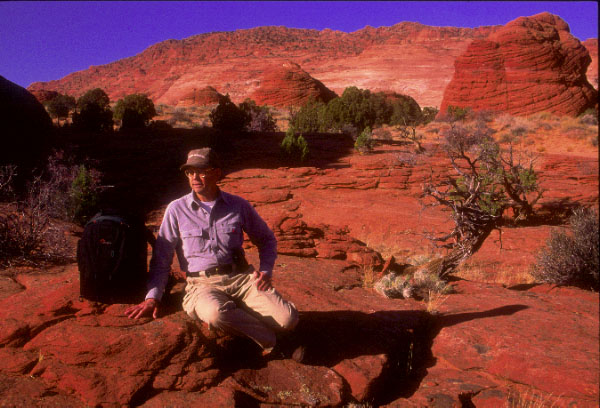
[405, 337]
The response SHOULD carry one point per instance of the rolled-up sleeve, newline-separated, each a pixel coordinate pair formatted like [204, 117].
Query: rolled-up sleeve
[162, 255]
[261, 235]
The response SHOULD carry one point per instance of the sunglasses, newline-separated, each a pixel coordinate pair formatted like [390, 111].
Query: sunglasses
[197, 172]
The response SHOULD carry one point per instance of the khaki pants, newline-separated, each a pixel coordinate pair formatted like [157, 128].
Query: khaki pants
[232, 303]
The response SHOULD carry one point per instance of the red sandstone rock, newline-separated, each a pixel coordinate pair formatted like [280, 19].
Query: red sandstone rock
[361, 374]
[289, 85]
[234, 62]
[43, 95]
[532, 64]
[591, 44]
[201, 97]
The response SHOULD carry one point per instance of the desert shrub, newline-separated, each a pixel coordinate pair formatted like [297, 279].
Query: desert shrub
[394, 286]
[405, 111]
[487, 181]
[134, 111]
[483, 115]
[403, 286]
[93, 112]
[364, 142]
[294, 147]
[179, 115]
[309, 118]
[349, 130]
[382, 134]
[572, 258]
[60, 106]
[260, 118]
[27, 233]
[70, 191]
[83, 196]
[7, 174]
[504, 121]
[589, 117]
[456, 113]
[429, 113]
[228, 117]
[590, 120]
[359, 108]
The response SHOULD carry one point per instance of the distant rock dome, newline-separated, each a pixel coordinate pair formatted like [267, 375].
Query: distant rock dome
[288, 84]
[532, 64]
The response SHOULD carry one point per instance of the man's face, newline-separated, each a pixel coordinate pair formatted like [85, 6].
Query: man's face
[203, 181]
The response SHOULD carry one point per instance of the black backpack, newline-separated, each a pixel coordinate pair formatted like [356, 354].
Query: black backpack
[112, 258]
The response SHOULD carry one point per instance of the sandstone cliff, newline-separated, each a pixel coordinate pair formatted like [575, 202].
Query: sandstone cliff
[532, 64]
[400, 58]
[591, 44]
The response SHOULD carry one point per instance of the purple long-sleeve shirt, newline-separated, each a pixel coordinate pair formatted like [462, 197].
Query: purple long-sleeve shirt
[202, 240]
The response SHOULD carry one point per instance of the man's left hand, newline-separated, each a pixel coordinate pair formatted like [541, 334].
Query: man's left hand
[263, 280]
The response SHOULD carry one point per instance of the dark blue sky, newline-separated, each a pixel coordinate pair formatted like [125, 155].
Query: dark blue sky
[41, 41]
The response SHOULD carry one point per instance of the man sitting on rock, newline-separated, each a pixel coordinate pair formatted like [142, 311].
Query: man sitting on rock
[205, 228]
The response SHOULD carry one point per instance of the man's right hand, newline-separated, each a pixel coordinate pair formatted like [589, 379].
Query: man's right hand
[147, 306]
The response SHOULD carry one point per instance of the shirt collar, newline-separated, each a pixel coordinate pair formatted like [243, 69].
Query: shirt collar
[192, 200]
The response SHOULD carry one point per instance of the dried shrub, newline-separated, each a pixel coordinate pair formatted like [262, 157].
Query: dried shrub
[27, 233]
[382, 134]
[504, 121]
[484, 115]
[29, 229]
[7, 174]
[571, 258]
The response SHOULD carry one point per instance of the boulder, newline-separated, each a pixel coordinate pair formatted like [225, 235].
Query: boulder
[200, 97]
[289, 85]
[26, 126]
[532, 64]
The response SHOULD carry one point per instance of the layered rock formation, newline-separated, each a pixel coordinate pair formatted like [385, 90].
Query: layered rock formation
[289, 85]
[201, 97]
[400, 58]
[532, 64]
[591, 44]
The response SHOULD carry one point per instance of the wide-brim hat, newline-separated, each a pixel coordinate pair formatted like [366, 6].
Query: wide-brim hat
[204, 158]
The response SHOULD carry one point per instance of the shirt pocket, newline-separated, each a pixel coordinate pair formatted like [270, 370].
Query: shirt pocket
[195, 242]
[230, 235]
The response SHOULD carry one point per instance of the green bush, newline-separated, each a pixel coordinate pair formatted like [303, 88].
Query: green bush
[572, 258]
[364, 142]
[134, 111]
[359, 108]
[260, 118]
[228, 117]
[93, 112]
[294, 146]
[429, 114]
[456, 113]
[60, 106]
[83, 196]
[310, 118]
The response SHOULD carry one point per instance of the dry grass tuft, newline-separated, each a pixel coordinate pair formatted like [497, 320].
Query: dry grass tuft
[529, 399]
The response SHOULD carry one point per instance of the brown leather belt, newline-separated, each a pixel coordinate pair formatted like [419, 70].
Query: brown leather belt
[216, 270]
